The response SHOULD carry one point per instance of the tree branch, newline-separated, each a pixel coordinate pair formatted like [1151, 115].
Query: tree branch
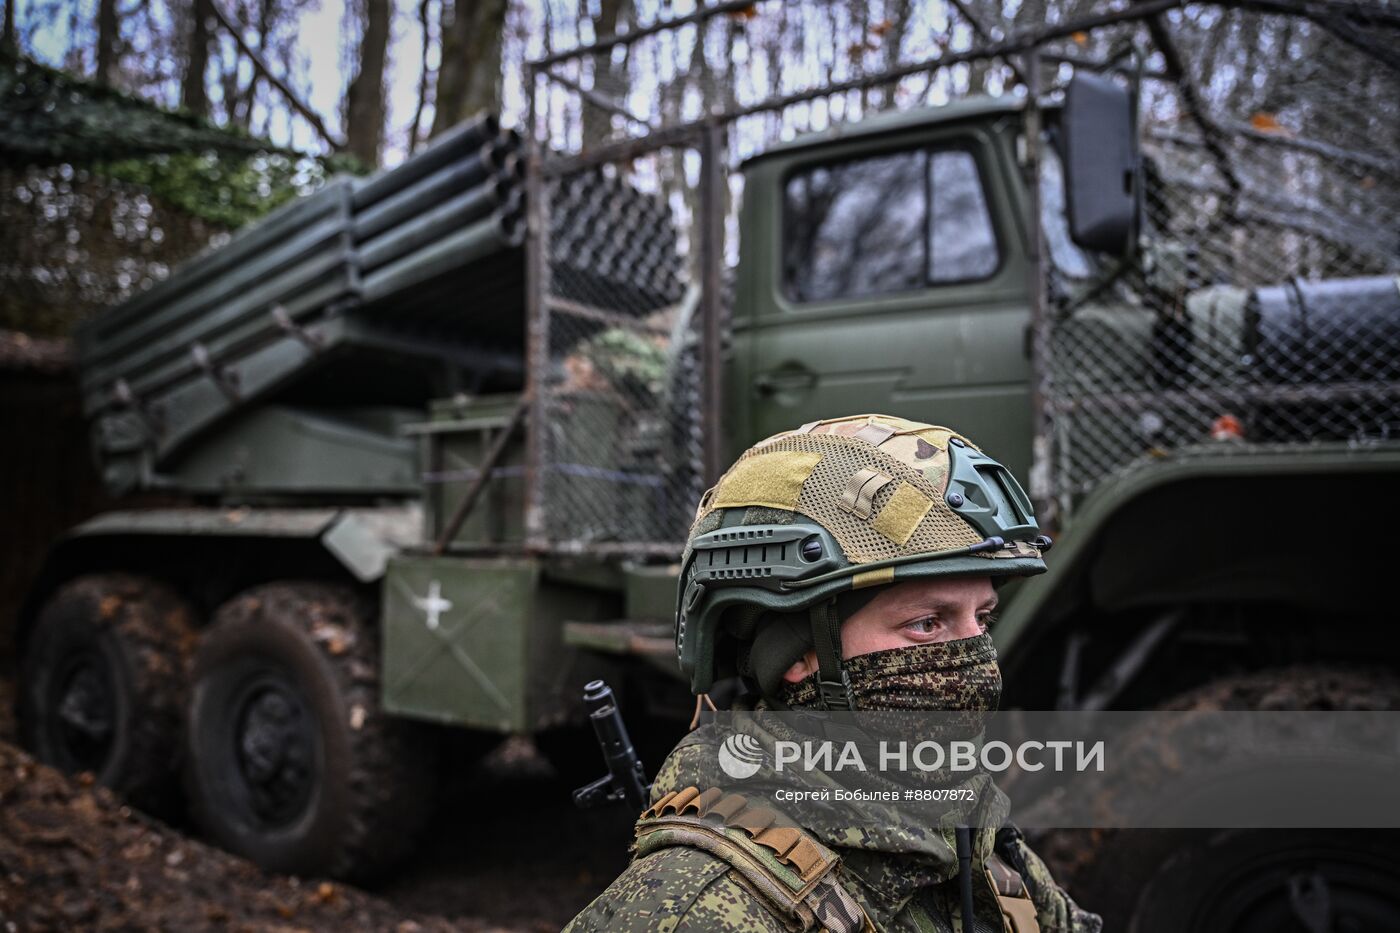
[283, 87]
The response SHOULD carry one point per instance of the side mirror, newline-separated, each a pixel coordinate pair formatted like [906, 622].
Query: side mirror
[1101, 164]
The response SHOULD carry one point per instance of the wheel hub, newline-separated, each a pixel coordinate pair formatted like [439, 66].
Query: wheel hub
[275, 751]
[1304, 890]
[84, 724]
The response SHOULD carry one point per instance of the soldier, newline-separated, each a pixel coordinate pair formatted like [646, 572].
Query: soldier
[873, 546]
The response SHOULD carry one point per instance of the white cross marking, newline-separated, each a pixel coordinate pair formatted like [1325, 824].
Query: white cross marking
[434, 605]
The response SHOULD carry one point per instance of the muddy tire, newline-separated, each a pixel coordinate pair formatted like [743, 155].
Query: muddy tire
[1151, 880]
[290, 761]
[103, 684]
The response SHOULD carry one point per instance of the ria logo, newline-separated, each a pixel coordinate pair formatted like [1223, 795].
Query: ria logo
[740, 756]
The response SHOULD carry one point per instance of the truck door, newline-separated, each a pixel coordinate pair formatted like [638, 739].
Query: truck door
[893, 280]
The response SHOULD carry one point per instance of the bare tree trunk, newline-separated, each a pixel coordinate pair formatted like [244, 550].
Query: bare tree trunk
[364, 101]
[470, 75]
[230, 82]
[108, 27]
[247, 96]
[194, 97]
[608, 80]
[8, 40]
[424, 77]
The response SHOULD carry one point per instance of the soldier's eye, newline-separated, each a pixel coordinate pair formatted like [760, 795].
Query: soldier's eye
[987, 620]
[925, 626]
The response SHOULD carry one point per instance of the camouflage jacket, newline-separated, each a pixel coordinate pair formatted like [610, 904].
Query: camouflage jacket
[903, 877]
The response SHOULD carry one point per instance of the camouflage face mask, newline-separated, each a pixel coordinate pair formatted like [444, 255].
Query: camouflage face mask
[942, 676]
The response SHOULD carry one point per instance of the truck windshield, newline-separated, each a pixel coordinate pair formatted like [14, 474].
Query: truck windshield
[893, 222]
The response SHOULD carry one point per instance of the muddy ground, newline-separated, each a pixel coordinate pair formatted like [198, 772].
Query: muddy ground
[506, 851]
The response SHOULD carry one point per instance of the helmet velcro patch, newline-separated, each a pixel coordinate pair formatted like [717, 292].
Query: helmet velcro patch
[770, 479]
[902, 514]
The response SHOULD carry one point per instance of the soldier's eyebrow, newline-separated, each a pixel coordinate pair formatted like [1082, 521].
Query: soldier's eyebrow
[944, 606]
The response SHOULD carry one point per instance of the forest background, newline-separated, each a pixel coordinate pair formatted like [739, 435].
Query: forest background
[134, 133]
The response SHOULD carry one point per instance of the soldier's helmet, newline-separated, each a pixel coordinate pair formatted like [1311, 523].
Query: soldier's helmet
[832, 508]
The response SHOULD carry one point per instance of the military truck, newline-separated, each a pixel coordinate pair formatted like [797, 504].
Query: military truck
[426, 445]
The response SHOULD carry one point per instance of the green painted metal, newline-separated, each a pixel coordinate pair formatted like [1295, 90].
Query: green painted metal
[650, 590]
[465, 137]
[951, 353]
[454, 443]
[268, 315]
[309, 286]
[409, 203]
[977, 108]
[230, 522]
[478, 642]
[205, 314]
[1053, 593]
[282, 450]
[589, 435]
[363, 539]
[430, 225]
[484, 237]
[94, 336]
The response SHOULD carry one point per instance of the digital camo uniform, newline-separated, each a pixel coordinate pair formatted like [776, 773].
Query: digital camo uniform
[797, 535]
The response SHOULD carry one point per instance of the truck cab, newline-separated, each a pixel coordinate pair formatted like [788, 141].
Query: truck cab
[884, 268]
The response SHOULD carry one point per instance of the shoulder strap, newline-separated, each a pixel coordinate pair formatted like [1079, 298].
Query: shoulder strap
[1017, 909]
[774, 857]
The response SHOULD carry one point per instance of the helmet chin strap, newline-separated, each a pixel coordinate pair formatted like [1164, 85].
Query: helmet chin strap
[833, 685]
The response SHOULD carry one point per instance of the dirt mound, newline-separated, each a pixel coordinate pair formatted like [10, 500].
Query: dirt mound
[73, 856]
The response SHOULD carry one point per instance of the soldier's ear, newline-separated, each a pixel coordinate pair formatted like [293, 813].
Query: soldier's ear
[802, 668]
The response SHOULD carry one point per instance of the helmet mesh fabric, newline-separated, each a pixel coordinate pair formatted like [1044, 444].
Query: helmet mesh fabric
[842, 457]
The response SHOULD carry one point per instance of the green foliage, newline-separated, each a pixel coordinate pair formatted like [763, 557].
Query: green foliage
[217, 174]
[628, 360]
[223, 189]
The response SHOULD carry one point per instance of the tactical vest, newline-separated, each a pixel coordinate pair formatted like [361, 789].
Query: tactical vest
[787, 867]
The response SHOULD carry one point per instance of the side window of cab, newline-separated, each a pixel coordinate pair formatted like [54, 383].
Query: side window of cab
[886, 223]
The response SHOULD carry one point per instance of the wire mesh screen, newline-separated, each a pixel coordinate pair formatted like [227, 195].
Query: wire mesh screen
[1259, 307]
[1262, 307]
[620, 451]
[621, 128]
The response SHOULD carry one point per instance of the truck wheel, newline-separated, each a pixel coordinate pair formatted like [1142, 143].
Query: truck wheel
[291, 762]
[104, 680]
[1241, 881]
